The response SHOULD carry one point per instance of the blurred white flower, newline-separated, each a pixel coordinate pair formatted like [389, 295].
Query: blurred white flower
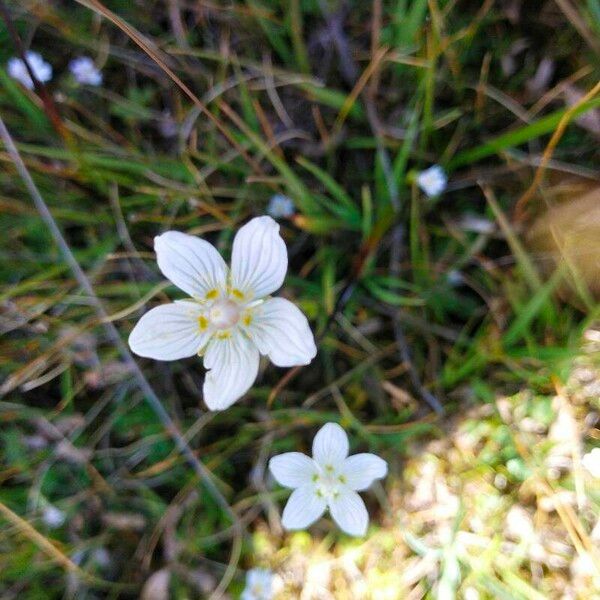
[41, 69]
[455, 277]
[85, 71]
[591, 462]
[330, 479]
[167, 125]
[230, 318]
[35, 442]
[432, 181]
[476, 224]
[259, 585]
[101, 557]
[53, 517]
[471, 593]
[281, 207]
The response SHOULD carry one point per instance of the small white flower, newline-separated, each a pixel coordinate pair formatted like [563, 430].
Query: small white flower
[41, 69]
[53, 517]
[432, 181]
[455, 278]
[477, 224]
[101, 557]
[591, 462]
[85, 71]
[281, 207]
[230, 318]
[167, 125]
[330, 479]
[259, 585]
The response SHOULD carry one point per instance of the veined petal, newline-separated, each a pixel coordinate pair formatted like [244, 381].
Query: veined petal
[233, 366]
[330, 446]
[360, 470]
[303, 508]
[282, 332]
[259, 258]
[169, 332]
[350, 513]
[191, 263]
[293, 469]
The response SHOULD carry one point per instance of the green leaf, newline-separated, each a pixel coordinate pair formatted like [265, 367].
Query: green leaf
[520, 327]
[518, 136]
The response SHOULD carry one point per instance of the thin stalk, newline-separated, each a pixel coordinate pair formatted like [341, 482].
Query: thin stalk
[111, 330]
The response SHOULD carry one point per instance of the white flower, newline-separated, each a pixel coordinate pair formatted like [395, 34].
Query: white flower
[591, 461]
[330, 479]
[259, 585]
[167, 125]
[41, 69]
[281, 207]
[85, 71]
[477, 224]
[53, 517]
[101, 557]
[230, 318]
[432, 181]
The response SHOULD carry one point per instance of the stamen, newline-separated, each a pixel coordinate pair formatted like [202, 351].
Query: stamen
[328, 483]
[202, 322]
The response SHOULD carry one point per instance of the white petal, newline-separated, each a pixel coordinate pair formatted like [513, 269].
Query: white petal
[233, 364]
[293, 469]
[259, 258]
[17, 70]
[260, 577]
[41, 69]
[169, 332]
[303, 508]
[282, 332]
[350, 513]
[591, 462]
[259, 585]
[361, 470]
[330, 446]
[192, 264]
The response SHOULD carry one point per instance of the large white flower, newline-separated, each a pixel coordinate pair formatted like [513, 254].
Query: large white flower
[330, 479]
[41, 69]
[229, 317]
[259, 585]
